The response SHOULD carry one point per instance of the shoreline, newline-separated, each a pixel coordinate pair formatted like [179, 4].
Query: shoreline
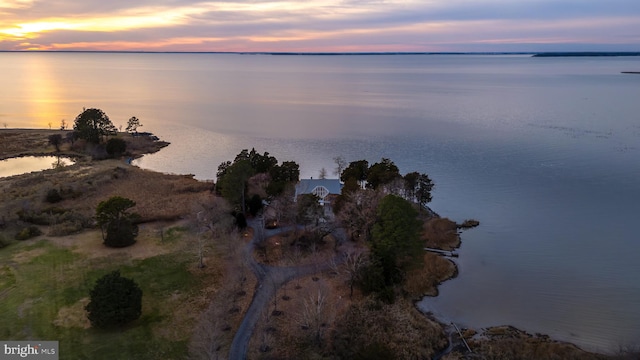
[455, 245]
[12, 144]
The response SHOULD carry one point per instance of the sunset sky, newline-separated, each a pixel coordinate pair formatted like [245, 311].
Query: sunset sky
[321, 25]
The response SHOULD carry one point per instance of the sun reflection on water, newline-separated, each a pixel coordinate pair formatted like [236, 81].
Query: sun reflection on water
[44, 104]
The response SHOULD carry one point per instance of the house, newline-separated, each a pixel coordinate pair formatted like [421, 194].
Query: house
[325, 189]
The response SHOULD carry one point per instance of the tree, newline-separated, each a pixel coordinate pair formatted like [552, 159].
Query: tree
[354, 262]
[114, 301]
[281, 175]
[116, 147]
[133, 124]
[233, 183]
[309, 210]
[358, 213]
[222, 170]
[71, 137]
[92, 124]
[283, 206]
[113, 215]
[341, 164]
[357, 170]
[261, 163]
[382, 173]
[410, 185]
[55, 140]
[423, 190]
[255, 204]
[63, 124]
[396, 240]
[323, 173]
[314, 314]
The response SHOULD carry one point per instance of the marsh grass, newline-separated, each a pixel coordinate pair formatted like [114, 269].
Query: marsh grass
[44, 287]
[425, 279]
[157, 196]
[441, 233]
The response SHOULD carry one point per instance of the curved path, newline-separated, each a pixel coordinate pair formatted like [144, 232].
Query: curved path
[269, 278]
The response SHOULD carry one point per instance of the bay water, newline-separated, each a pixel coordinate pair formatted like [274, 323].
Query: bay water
[544, 152]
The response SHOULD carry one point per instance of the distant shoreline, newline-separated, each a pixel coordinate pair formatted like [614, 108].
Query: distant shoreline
[379, 53]
[587, 54]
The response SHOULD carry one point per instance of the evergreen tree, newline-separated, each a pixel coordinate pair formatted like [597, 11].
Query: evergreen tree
[113, 216]
[92, 125]
[114, 301]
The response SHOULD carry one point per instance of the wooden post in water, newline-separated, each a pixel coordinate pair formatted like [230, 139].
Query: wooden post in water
[461, 337]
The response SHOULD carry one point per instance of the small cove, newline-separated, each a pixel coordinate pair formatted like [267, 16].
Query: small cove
[27, 164]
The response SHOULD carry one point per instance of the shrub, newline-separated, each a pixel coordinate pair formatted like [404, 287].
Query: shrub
[241, 221]
[53, 196]
[66, 228]
[116, 147]
[254, 204]
[121, 233]
[28, 233]
[114, 301]
[4, 242]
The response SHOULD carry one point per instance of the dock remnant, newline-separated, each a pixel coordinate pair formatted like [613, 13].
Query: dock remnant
[442, 252]
[461, 337]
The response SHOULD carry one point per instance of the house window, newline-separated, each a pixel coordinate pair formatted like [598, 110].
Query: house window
[320, 191]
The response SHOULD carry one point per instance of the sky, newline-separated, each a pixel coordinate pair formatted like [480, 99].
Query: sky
[321, 25]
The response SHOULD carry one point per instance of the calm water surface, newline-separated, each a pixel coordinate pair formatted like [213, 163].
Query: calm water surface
[27, 164]
[543, 151]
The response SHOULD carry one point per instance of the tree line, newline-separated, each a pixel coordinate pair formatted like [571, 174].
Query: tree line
[94, 126]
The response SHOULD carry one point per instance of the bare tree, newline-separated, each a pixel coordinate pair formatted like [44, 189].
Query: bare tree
[55, 140]
[323, 173]
[200, 248]
[266, 338]
[257, 185]
[274, 283]
[210, 217]
[71, 137]
[314, 314]
[214, 215]
[354, 262]
[63, 124]
[210, 341]
[284, 206]
[358, 213]
[396, 187]
[341, 164]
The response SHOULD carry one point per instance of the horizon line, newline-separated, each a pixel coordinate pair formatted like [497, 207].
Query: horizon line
[337, 53]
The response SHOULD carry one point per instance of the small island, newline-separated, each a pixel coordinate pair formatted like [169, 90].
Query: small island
[258, 265]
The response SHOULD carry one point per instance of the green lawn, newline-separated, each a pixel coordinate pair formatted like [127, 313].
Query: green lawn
[39, 279]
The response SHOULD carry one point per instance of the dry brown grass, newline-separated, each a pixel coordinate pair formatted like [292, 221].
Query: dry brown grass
[285, 250]
[19, 142]
[424, 281]
[507, 342]
[441, 233]
[157, 196]
[400, 330]
[23, 142]
[288, 335]
[224, 305]
[73, 316]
